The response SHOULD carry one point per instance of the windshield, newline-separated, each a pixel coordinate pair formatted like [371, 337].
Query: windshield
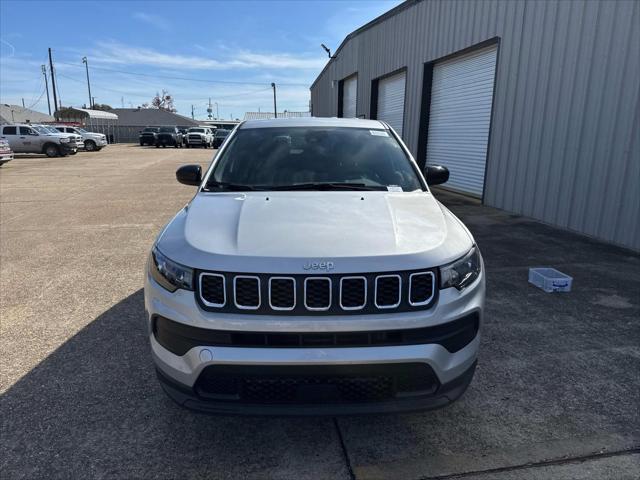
[150, 129]
[81, 130]
[167, 129]
[196, 130]
[52, 130]
[43, 130]
[314, 158]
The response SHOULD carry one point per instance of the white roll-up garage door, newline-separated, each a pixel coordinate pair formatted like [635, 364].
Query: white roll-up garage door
[391, 100]
[349, 96]
[460, 117]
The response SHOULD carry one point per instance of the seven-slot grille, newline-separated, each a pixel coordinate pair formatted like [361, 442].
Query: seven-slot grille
[330, 294]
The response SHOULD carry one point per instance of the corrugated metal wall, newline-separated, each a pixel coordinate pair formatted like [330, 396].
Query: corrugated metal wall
[565, 139]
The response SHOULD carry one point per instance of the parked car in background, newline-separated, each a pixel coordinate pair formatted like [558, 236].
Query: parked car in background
[93, 142]
[148, 136]
[199, 137]
[75, 138]
[6, 154]
[26, 138]
[169, 136]
[219, 137]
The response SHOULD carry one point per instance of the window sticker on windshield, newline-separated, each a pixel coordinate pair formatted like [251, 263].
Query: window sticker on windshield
[394, 188]
[379, 133]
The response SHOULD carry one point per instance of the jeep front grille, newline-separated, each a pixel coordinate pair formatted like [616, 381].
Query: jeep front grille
[330, 294]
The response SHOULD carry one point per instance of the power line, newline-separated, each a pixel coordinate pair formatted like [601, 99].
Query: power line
[98, 86]
[34, 95]
[191, 79]
[223, 97]
[37, 101]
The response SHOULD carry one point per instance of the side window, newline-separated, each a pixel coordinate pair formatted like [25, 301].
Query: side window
[10, 131]
[60, 129]
[26, 131]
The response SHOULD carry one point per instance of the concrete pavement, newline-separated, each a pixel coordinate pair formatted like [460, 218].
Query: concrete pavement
[556, 394]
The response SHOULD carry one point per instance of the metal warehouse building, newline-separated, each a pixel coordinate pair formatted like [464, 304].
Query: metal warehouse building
[534, 106]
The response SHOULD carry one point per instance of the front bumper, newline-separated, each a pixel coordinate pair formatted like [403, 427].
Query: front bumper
[100, 142]
[312, 402]
[180, 374]
[6, 157]
[68, 148]
[166, 140]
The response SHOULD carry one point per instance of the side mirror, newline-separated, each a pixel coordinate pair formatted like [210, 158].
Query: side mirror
[189, 174]
[436, 174]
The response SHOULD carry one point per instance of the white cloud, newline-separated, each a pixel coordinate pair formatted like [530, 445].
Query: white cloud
[12, 50]
[280, 60]
[117, 53]
[154, 20]
[20, 76]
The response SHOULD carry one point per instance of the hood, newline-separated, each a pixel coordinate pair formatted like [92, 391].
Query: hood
[280, 231]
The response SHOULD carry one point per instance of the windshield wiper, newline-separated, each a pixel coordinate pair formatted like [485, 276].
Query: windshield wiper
[230, 187]
[326, 186]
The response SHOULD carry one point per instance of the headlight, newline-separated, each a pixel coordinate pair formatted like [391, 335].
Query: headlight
[64, 140]
[169, 274]
[462, 272]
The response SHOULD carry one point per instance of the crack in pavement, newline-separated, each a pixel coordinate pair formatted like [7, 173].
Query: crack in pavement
[343, 447]
[546, 463]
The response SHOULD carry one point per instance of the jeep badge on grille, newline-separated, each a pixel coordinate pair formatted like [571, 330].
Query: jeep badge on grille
[327, 266]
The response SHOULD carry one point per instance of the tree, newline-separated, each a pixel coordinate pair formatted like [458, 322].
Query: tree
[163, 101]
[102, 106]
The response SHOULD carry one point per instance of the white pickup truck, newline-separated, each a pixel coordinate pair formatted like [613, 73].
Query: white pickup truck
[199, 137]
[93, 142]
[27, 138]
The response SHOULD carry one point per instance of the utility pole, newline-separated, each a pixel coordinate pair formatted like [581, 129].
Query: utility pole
[86, 64]
[209, 110]
[275, 109]
[46, 86]
[53, 83]
[192, 116]
[23, 103]
[217, 111]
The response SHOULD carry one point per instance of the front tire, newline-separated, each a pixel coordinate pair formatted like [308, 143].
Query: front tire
[52, 150]
[90, 146]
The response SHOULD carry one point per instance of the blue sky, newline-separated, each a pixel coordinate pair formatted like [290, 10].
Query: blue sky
[245, 45]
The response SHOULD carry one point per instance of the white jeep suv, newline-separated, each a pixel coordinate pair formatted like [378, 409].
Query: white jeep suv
[313, 272]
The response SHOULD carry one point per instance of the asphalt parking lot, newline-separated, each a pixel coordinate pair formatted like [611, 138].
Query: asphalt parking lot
[556, 394]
